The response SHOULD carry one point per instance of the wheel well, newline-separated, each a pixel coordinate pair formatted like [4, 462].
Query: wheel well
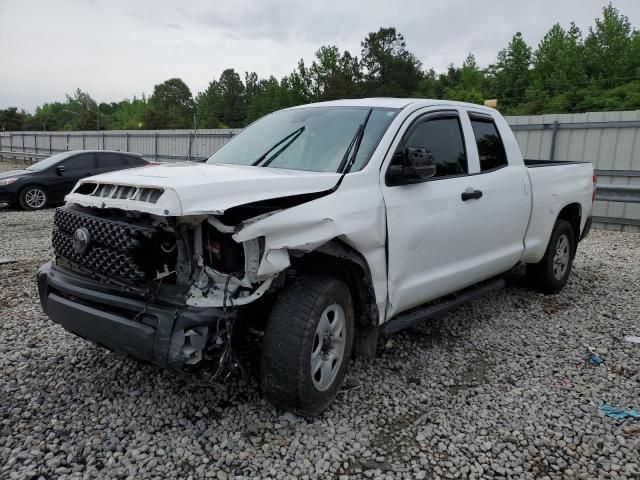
[572, 213]
[340, 260]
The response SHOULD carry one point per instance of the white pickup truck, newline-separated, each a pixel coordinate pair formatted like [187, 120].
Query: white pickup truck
[312, 232]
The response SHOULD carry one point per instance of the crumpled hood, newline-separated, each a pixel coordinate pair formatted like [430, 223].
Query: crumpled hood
[200, 188]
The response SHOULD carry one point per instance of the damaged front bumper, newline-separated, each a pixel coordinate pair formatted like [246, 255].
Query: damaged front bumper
[166, 335]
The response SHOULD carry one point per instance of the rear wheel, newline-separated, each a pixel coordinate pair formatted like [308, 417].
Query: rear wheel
[33, 197]
[307, 345]
[551, 273]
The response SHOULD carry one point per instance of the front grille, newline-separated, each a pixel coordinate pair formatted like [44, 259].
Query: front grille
[113, 247]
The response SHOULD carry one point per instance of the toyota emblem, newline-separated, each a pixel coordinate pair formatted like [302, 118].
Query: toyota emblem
[80, 240]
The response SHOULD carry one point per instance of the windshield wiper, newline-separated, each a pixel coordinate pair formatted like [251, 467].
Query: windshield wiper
[296, 133]
[350, 155]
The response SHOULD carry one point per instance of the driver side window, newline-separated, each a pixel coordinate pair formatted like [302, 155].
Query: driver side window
[443, 137]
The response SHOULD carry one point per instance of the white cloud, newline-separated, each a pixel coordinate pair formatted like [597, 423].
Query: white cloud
[118, 48]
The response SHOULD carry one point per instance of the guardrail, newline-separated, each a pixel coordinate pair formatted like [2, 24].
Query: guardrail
[23, 154]
[618, 193]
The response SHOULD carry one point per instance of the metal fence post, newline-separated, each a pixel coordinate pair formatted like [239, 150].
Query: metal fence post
[84, 140]
[22, 137]
[50, 150]
[155, 150]
[103, 148]
[554, 136]
[35, 141]
[67, 142]
[11, 141]
[127, 141]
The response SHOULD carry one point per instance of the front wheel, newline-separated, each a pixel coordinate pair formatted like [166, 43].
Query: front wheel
[307, 345]
[551, 273]
[33, 198]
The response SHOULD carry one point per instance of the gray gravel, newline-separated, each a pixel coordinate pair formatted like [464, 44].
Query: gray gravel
[499, 388]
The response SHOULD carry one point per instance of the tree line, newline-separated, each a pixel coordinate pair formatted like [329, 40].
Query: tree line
[567, 72]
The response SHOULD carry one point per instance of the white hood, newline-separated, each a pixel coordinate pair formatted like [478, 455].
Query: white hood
[200, 188]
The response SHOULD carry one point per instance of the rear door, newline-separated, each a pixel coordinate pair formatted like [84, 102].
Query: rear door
[502, 213]
[110, 161]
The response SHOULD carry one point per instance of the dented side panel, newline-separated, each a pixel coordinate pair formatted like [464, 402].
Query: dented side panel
[355, 214]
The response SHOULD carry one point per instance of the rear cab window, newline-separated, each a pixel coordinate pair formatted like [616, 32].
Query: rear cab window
[491, 150]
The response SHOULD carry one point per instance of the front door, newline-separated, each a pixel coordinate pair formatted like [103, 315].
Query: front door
[76, 167]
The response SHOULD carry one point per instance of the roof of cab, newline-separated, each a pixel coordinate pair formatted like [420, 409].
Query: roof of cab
[390, 102]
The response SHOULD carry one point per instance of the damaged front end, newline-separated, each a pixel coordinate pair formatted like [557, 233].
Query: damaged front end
[172, 282]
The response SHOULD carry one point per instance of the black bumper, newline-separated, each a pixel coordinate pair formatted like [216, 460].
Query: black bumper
[151, 332]
[8, 196]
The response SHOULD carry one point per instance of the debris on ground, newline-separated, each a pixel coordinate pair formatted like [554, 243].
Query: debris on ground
[618, 413]
[595, 359]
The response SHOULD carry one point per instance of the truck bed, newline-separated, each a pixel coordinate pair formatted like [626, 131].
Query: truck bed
[553, 189]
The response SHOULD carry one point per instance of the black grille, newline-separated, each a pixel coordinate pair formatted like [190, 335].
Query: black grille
[113, 246]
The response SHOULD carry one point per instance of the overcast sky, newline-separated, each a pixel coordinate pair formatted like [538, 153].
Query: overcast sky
[117, 48]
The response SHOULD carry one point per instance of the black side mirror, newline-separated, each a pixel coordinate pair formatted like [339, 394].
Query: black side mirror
[60, 169]
[416, 165]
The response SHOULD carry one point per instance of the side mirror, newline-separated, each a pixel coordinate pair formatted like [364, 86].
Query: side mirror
[416, 166]
[60, 169]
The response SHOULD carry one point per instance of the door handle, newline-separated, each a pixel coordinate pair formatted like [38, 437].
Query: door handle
[471, 195]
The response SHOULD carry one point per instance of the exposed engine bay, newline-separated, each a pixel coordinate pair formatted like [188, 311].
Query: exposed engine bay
[189, 260]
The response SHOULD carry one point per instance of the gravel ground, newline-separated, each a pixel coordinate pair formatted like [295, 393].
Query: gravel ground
[499, 388]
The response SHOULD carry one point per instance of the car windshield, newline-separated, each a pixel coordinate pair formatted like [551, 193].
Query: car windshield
[48, 162]
[312, 138]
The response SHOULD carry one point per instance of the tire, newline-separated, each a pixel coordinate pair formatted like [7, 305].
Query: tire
[300, 371]
[33, 197]
[551, 273]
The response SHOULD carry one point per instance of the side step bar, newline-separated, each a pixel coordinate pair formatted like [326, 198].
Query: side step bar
[411, 317]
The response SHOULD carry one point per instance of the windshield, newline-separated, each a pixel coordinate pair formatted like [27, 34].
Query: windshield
[314, 138]
[48, 162]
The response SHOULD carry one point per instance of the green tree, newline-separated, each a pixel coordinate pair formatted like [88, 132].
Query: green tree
[170, 106]
[390, 69]
[232, 108]
[511, 72]
[558, 70]
[208, 107]
[608, 48]
[81, 112]
[11, 119]
[265, 96]
[129, 114]
[333, 75]
[464, 84]
[430, 85]
[223, 103]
